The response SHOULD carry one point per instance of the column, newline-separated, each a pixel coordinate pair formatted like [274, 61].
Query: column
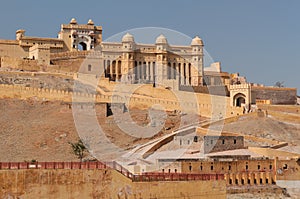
[174, 70]
[110, 69]
[181, 74]
[184, 74]
[149, 71]
[146, 71]
[117, 70]
[177, 72]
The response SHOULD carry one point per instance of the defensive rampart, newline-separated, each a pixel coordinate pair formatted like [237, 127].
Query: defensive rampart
[205, 107]
[101, 182]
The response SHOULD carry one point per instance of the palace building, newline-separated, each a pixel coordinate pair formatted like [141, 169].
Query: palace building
[79, 48]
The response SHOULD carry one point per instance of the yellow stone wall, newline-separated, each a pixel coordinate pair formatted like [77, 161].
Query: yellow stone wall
[104, 184]
[137, 101]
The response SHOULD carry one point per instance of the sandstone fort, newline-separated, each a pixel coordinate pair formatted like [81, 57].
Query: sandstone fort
[221, 136]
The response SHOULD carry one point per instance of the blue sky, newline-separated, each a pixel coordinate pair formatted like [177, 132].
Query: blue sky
[258, 39]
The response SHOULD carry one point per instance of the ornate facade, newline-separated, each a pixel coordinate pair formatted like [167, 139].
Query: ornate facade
[161, 63]
[174, 66]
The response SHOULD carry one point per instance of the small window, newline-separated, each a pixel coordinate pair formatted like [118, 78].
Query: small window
[201, 168]
[223, 141]
[270, 166]
[211, 167]
[234, 141]
[246, 167]
[190, 167]
[89, 67]
[285, 166]
[258, 167]
[211, 141]
[175, 170]
[229, 167]
[195, 138]
[163, 170]
[169, 170]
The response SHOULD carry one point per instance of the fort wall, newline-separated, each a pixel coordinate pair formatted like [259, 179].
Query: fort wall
[99, 183]
[276, 95]
[288, 169]
[21, 64]
[143, 102]
[222, 143]
[11, 48]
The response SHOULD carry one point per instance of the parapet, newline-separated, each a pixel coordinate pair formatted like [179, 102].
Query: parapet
[239, 86]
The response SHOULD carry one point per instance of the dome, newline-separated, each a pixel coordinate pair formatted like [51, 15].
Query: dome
[73, 21]
[197, 41]
[90, 22]
[128, 38]
[161, 39]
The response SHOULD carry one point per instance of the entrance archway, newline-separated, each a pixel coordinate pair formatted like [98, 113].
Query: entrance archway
[82, 46]
[239, 99]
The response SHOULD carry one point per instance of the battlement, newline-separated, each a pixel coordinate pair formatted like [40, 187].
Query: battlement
[81, 26]
[239, 86]
[9, 42]
[74, 55]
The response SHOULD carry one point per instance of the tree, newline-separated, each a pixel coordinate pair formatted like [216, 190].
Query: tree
[79, 149]
[279, 84]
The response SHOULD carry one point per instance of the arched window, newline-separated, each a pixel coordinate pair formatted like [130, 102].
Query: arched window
[82, 46]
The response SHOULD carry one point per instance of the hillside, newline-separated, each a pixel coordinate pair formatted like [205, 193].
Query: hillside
[37, 130]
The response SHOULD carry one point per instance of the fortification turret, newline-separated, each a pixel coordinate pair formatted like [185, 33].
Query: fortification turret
[19, 34]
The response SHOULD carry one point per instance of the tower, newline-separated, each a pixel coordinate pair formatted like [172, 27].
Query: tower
[161, 59]
[197, 61]
[128, 47]
[19, 34]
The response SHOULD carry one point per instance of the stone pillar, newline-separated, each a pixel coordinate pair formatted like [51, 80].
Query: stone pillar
[177, 73]
[263, 177]
[138, 71]
[174, 70]
[187, 73]
[110, 69]
[147, 71]
[117, 70]
[181, 74]
[151, 71]
[251, 177]
[226, 177]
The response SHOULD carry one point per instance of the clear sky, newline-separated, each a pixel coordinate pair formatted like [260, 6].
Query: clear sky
[260, 39]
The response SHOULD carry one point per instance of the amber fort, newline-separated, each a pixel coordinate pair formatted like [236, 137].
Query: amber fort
[210, 144]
